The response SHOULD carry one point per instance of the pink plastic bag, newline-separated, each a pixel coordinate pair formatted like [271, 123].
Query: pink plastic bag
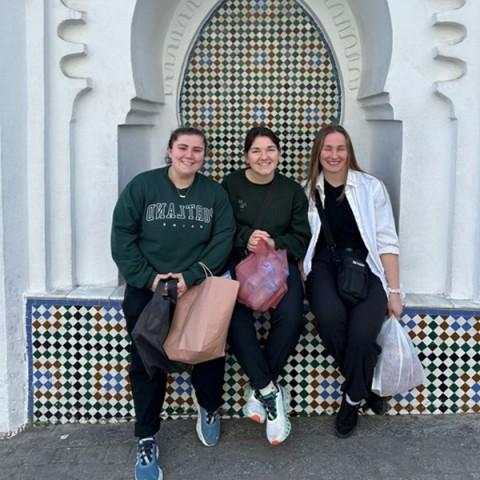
[263, 279]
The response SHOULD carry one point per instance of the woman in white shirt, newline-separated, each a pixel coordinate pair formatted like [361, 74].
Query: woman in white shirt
[359, 214]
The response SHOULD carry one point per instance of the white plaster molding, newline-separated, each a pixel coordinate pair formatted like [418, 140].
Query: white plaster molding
[334, 17]
[427, 142]
[39, 181]
[81, 293]
[174, 56]
[73, 50]
[453, 50]
[36, 137]
[374, 31]
[143, 112]
[63, 91]
[362, 68]
[94, 134]
[461, 93]
[377, 107]
[185, 23]
[349, 37]
[439, 302]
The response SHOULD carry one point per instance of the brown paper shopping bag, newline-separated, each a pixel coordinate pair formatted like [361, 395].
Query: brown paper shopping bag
[199, 327]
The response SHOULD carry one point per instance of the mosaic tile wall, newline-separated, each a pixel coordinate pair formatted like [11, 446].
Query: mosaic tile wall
[260, 62]
[78, 356]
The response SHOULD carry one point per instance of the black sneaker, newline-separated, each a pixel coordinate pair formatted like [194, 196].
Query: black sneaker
[376, 404]
[346, 419]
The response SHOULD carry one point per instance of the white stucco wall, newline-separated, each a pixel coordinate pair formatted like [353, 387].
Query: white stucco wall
[13, 217]
[439, 221]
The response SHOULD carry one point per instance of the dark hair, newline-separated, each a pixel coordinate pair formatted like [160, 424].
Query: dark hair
[316, 167]
[185, 130]
[259, 131]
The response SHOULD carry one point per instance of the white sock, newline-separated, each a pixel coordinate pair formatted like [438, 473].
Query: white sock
[144, 439]
[350, 401]
[268, 389]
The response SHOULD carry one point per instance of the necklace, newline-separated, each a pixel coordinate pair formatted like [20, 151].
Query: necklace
[183, 192]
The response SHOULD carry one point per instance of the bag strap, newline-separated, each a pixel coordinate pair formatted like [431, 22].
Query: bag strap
[206, 270]
[167, 289]
[332, 247]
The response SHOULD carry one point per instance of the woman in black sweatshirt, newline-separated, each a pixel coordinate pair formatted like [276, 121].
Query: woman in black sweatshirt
[270, 208]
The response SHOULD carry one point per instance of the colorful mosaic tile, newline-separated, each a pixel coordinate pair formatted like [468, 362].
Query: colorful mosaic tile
[78, 357]
[260, 62]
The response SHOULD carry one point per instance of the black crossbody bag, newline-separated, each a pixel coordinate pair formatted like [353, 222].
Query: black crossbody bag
[351, 271]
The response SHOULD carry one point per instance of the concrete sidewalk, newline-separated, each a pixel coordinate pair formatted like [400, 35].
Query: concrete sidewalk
[385, 448]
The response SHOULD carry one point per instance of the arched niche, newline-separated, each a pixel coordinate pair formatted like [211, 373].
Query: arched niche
[359, 33]
[260, 62]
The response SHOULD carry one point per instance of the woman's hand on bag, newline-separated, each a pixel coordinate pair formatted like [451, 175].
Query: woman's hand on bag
[255, 237]
[394, 305]
[158, 279]
[181, 285]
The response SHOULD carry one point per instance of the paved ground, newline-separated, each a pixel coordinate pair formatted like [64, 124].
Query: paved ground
[384, 448]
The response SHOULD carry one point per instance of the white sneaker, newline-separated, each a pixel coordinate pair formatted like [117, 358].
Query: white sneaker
[278, 424]
[254, 409]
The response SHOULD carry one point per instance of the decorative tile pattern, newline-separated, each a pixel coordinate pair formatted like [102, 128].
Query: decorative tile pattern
[78, 353]
[260, 62]
[79, 362]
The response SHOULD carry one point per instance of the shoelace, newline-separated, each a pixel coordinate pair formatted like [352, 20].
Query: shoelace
[145, 451]
[269, 402]
[211, 417]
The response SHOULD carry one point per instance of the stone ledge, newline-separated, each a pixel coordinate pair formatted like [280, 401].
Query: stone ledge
[115, 293]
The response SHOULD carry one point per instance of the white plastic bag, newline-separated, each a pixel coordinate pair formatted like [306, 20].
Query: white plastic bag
[398, 368]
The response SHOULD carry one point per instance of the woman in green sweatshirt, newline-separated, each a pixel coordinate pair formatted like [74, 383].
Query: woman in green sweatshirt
[165, 222]
[272, 208]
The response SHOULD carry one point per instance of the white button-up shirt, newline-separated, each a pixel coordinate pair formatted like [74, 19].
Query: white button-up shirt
[368, 198]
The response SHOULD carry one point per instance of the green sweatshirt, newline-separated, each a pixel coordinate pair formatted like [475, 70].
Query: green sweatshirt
[154, 230]
[283, 211]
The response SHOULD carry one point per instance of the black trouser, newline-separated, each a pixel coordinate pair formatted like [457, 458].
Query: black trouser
[348, 333]
[286, 325]
[149, 393]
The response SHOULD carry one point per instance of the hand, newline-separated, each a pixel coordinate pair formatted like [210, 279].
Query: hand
[181, 285]
[394, 306]
[257, 236]
[159, 278]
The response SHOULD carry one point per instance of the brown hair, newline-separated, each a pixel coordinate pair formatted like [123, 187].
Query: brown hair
[259, 131]
[315, 166]
[185, 130]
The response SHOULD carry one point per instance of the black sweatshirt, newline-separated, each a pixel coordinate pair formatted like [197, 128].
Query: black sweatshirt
[279, 207]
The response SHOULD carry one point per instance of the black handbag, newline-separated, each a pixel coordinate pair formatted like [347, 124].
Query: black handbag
[152, 328]
[352, 271]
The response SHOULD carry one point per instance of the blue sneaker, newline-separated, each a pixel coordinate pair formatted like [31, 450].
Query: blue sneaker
[146, 466]
[208, 427]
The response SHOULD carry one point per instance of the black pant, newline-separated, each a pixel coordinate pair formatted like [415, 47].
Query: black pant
[149, 393]
[348, 333]
[287, 322]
